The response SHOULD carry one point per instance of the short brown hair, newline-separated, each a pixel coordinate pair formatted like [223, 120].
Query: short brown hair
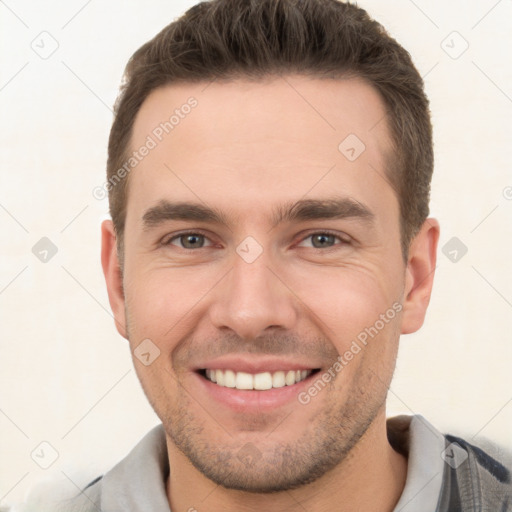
[254, 39]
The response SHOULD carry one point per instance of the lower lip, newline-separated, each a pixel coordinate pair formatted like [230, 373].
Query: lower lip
[251, 400]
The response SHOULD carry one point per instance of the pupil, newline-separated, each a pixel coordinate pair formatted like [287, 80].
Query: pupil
[323, 240]
[192, 241]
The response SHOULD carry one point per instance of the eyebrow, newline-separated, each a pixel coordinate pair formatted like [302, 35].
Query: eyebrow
[167, 210]
[319, 209]
[302, 210]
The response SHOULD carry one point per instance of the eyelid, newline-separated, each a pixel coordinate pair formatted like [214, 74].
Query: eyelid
[167, 239]
[342, 237]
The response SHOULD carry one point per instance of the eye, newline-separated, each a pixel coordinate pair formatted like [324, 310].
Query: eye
[324, 239]
[189, 240]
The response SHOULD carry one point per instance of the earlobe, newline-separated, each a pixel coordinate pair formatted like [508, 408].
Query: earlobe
[112, 273]
[419, 276]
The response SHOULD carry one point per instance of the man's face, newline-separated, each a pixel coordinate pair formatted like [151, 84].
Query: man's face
[267, 287]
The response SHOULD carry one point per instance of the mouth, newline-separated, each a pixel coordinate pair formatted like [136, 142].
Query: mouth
[261, 381]
[255, 385]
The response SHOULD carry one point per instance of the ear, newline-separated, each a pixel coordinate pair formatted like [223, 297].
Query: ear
[419, 276]
[112, 273]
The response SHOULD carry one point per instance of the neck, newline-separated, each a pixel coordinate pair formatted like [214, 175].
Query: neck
[371, 477]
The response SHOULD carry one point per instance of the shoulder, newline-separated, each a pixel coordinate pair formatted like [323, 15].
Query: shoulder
[452, 471]
[477, 472]
[53, 499]
[87, 500]
[120, 488]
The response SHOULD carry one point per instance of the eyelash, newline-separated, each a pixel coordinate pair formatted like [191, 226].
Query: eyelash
[198, 232]
[328, 233]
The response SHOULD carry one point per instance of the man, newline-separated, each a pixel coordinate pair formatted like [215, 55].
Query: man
[268, 175]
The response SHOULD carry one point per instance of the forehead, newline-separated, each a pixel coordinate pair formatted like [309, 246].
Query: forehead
[267, 140]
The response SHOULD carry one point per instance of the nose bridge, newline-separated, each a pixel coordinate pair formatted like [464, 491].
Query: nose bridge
[251, 299]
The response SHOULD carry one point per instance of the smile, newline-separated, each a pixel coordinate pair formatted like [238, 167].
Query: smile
[258, 381]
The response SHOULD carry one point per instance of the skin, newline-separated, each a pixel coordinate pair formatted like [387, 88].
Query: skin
[246, 149]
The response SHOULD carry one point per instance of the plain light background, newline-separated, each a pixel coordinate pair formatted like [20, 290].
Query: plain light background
[66, 375]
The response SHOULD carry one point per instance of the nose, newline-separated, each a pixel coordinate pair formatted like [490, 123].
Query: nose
[252, 298]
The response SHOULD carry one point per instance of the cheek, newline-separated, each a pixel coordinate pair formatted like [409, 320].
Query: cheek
[161, 303]
[344, 302]
[360, 315]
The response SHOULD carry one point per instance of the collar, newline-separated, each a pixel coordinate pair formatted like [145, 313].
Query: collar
[423, 444]
[137, 483]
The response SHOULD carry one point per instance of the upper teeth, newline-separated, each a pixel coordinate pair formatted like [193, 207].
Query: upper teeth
[259, 381]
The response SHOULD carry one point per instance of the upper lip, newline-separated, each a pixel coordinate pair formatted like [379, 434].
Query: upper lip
[254, 364]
